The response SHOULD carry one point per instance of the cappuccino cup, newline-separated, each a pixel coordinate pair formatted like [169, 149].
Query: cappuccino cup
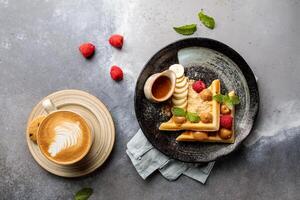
[63, 137]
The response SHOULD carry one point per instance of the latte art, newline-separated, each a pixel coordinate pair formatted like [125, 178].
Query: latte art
[66, 135]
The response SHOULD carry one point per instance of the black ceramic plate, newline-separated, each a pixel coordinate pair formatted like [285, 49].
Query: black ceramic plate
[204, 59]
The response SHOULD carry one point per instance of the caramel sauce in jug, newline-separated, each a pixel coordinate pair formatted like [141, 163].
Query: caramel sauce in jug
[161, 87]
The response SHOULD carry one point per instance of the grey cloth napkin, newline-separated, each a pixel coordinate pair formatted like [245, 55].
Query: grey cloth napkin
[146, 159]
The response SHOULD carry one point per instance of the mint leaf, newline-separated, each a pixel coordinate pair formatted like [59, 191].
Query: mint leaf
[179, 112]
[83, 194]
[186, 29]
[235, 100]
[229, 101]
[218, 98]
[226, 98]
[193, 117]
[229, 104]
[206, 20]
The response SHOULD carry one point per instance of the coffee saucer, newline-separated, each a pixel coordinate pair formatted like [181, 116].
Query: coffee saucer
[99, 120]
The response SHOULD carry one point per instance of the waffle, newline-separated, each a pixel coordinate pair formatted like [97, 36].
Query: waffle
[197, 105]
[197, 136]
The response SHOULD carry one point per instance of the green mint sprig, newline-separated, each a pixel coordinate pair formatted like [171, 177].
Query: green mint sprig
[186, 29]
[192, 117]
[229, 101]
[83, 194]
[190, 29]
[179, 112]
[206, 20]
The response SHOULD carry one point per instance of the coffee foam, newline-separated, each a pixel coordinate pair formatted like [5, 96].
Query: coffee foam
[67, 135]
[64, 137]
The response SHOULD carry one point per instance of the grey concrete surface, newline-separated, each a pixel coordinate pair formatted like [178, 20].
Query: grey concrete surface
[39, 55]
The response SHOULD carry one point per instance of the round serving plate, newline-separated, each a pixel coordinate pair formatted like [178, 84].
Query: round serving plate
[99, 120]
[204, 59]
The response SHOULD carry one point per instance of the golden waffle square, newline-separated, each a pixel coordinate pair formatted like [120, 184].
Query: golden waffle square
[201, 136]
[196, 104]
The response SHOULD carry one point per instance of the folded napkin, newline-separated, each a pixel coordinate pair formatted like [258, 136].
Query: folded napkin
[146, 159]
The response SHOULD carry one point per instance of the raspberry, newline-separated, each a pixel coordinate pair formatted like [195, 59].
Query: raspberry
[116, 73]
[198, 86]
[226, 121]
[87, 49]
[116, 41]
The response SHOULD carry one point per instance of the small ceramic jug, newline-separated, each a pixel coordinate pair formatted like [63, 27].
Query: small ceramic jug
[151, 80]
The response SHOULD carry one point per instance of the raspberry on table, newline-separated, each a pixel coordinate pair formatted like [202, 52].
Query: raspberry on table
[116, 73]
[116, 40]
[87, 49]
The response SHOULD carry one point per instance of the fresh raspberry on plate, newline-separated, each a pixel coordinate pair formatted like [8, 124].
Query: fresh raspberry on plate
[198, 86]
[226, 121]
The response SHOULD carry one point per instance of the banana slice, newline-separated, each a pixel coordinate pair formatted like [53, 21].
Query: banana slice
[178, 69]
[231, 94]
[178, 80]
[183, 106]
[181, 95]
[182, 83]
[181, 90]
[178, 102]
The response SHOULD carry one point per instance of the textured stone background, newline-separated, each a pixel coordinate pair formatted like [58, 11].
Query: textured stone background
[39, 55]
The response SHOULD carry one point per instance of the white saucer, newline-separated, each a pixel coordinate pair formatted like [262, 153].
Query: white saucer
[100, 122]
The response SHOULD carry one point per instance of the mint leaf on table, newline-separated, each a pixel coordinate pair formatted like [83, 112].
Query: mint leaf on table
[186, 29]
[83, 194]
[178, 112]
[206, 20]
[193, 117]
